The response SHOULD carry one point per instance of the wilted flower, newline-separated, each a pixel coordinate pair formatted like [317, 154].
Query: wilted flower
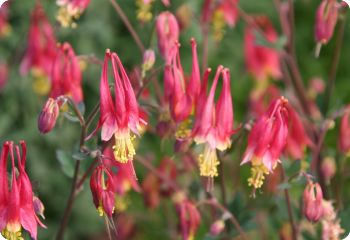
[213, 123]
[328, 168]
[41, 51]
[266, 141]
[344, 132]
[119, 118]
[103, 188]
[261, 61]
[16, 199]
[70, 10]
[48, 116]
[66, 74]
[189, 217]
[326, 19]
[167, 33]
[312, 202]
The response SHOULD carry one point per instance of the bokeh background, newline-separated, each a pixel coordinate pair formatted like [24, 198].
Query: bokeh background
[100, 28]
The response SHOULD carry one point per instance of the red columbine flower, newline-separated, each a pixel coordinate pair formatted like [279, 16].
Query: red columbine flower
[16, 199]
[70, 10]
[226, 12]
[312, 200]
[213, 123]
[122, 115]
[297, 139]
[48, 116]
[262, 62]
[266, 141]
[189, 216]
[344, 132]
[41, 50]
[66, 74]
[103, 188]
[326, 19]
[167, 32]
[183, 94]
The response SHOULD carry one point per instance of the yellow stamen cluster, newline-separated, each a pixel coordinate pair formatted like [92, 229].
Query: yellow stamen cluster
[9, 234]
[67, 15]
[124, 149]
[258, 171]
[143, 12]
[183, 131]
[208, 162]
[218, 25]
[41, 84]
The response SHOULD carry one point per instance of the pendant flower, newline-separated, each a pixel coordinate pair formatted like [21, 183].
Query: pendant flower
[16, 198]
[119, 118]
[213, 123]
[70, 10]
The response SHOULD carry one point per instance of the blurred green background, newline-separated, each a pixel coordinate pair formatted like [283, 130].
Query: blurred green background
[99, 28]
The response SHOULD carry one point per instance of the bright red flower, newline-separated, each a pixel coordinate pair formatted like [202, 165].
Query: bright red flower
[70, 10]
[168, 32]
[189, 216]
[16, 198]
[119, 118]
[312, 200]
[344, 132]
[41, 48]
[66, 74]
[261, 61]
[213, 123]
[103, 187]
[266, 141]
[124, 173]
[326, 19]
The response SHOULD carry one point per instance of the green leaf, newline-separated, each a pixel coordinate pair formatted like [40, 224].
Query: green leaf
[79, 156]
[66, 161]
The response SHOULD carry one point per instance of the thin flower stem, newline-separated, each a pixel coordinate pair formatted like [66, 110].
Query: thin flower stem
[290, 211]
[128, 25]
[222, 179]
[213, 202]
[86, 174]
[334, 66]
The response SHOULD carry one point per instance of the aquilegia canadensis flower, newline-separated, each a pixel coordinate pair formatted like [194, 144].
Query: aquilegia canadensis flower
[213, 123]
[16, 198]
[48, 116]
[70, 10]
[312, 202]
[119, 118]
[326, 19]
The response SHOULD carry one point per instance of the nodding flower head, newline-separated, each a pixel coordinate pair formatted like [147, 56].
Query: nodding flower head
[262, 62]
[70, 10]
[102, 188]
[312, 202]
[168, 32]
[266, 141]
[16, 198]
[119, 118]
[213, 123]
[40, 52]
[66, 74]
[326, 19]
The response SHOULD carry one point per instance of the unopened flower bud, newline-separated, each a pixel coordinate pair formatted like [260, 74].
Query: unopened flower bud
[326, 19]
[217, 227]
[167, 32]
[149, 59]
[48, 116]
[312, 199]
[328, 168]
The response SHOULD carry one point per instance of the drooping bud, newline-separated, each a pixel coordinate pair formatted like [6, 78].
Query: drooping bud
[328, 168]
[167, 32]
[312, 200]
[344, 133]
[48, 116]
[149, 59]
[217, 227]
[326, 19]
